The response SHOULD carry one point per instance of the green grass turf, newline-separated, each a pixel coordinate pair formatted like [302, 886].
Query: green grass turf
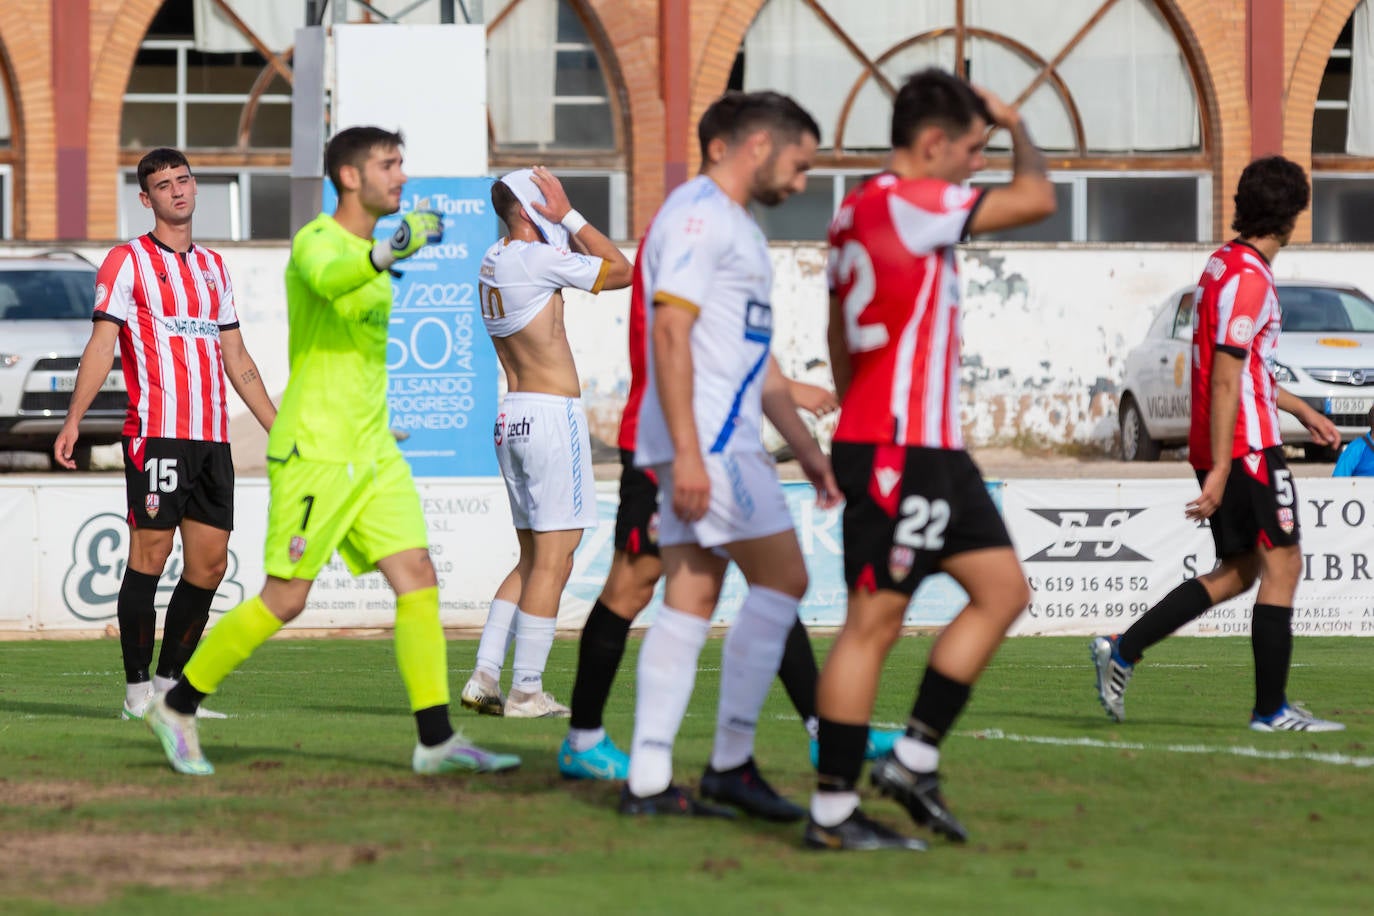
[316, 759]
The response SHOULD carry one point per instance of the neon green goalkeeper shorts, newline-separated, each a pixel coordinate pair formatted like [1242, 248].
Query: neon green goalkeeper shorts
[366, 512]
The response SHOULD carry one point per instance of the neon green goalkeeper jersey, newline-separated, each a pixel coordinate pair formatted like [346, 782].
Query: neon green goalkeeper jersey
[338, 307]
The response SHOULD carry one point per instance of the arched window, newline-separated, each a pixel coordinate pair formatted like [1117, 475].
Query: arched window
[549, 101]
[1105, 87]
[9, 155]
[220, 90]
[213, 77]
[1343, 137]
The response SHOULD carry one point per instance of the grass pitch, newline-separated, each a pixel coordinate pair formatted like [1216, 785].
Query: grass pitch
[314, 809]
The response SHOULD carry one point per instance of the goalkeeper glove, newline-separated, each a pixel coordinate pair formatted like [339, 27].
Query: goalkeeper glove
[418, 228]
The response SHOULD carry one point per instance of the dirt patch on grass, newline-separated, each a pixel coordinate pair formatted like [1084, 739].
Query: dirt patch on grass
[65, 794]
[83, 868]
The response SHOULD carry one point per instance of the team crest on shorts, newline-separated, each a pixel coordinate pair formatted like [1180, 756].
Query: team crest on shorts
[899, 562]
[1286, 519]
[151, 503]
[653, 528]
[297, 549]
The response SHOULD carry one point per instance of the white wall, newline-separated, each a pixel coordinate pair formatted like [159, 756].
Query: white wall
[1046, 329]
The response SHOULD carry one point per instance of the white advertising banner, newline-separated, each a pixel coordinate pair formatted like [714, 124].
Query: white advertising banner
[1099, 553]
[17, 538]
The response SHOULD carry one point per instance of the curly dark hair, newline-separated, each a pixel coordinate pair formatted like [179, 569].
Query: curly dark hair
[1271, 193]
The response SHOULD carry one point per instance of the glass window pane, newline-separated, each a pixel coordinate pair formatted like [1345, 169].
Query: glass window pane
[1142, 209]
[155, 70]
[570, 28]
[148, 124]
[222, 73]
[1058, 228]
[578, 73]
[212, 124]
[583, 127]
[270, 200]
[590, 195]
[213, 218]
[1329, 127]
[803, 217]
[271, 126]
[1342, 210]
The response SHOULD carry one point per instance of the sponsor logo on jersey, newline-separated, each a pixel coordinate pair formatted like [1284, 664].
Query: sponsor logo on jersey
[519, 429]
[900, 559]
[758, 321]
[151, 504]
[1087, 536]
[1286, 519]
[190, 327]
[296, 549]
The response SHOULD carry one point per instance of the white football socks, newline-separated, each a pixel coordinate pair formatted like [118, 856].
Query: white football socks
[916, 756]
[667, 673]
[163, 684]
[134, 694]
[749, 662]
[582, 740]
[496, 636]
[533, 640]
[831, 808]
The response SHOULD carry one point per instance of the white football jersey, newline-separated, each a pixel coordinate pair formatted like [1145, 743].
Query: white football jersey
[518, 279]
[705, 252]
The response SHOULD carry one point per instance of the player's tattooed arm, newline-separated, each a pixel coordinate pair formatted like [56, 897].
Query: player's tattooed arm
[1026, 157]
[249, 377]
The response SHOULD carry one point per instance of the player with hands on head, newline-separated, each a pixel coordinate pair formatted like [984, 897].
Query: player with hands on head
[1248, 496]
[915, 503]
[542, 441]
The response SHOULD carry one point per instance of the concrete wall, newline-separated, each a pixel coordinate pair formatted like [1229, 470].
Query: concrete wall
[1046, 329]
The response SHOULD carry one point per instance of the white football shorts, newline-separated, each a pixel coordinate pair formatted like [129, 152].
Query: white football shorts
[747, 502]
[545, 454]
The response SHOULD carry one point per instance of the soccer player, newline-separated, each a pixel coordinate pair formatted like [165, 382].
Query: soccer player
[337, 478]
[542, 442]
[915, 503]
[1233, 444]
[587, 752]
[706, 269]
[169, 304]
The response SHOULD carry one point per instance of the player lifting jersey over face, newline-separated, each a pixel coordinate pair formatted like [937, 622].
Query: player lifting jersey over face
[542, 443]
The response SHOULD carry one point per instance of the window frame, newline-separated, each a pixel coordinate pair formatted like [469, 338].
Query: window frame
[240, 219]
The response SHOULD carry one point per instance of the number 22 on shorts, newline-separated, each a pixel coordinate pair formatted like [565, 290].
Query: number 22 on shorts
[921, 524]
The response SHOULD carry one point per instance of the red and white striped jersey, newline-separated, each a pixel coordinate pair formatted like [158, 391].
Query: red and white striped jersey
[1236, 311]
[892, 267]
[170, 308]
[639, 345]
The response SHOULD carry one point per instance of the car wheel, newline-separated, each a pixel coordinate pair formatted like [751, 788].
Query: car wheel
[1136, 444]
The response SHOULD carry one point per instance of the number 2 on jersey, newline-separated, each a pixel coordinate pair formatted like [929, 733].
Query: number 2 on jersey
[922, 525]
[856, 269]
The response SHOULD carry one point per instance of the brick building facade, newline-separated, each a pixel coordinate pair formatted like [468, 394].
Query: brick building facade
[1257, 67]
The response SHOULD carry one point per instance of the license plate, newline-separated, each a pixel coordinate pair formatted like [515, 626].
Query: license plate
[113, 382]
[1349, 405]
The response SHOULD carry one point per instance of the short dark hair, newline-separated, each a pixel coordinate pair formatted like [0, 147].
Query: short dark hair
[352, 146]
[934, 98]
[164, 157]
[504, 201]
[1269, 196]
[735, 115]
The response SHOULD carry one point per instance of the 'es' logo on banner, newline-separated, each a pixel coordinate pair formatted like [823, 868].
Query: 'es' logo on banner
[1087, 536]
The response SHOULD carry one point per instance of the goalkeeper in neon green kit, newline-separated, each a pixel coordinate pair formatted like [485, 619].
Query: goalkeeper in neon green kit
[338, 481]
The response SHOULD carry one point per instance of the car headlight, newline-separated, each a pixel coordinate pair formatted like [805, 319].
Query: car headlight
[9, 359]
[1283, 375]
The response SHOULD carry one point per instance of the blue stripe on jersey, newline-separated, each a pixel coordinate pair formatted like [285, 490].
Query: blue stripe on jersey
[729, 426]
[575, 435]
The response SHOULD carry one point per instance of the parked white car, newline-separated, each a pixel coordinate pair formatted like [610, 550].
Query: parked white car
[46, 303]
[1325, 357]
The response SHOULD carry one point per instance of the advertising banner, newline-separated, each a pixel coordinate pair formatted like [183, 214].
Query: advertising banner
[17, 537]
[1099, 553]
[441, 363]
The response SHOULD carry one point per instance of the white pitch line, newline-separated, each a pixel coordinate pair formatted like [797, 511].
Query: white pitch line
[993, 734]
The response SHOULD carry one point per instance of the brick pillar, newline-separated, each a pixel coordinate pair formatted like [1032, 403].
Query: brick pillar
[674, 35]
[1264, 75]
[71, 79]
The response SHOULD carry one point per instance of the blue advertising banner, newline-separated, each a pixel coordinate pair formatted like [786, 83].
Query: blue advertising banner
[936, 602]
[443, 368]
